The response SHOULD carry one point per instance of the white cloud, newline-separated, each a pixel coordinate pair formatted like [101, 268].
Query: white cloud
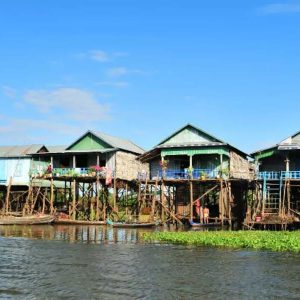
[122, 71]
[117, 84]
[72, 103]
[280, 8]
[99, 55]
[117, 72]
[8, 91]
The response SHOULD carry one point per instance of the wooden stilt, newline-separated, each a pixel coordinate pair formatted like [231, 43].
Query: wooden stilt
[44, 201]
[51, 196]
[115, 194]
[288, 197]
[163, 200]
[97, 199]
[191, 201]
[74, 201]
[7, 195]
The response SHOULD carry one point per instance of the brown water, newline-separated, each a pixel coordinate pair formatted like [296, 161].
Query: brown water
[78, 262]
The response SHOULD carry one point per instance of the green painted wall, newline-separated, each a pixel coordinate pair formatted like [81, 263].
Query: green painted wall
[90, 142]
[188, 135]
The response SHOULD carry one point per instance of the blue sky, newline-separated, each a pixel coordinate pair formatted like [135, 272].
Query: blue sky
[142, 69]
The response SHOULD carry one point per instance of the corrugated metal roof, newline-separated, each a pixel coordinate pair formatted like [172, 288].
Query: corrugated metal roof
[19, 150]
[120, 143]
[113, 141]
[57, 148]
[290, 143]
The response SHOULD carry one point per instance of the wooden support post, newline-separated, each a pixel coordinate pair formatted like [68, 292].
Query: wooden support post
[288, 197]
[230, 201]
[221, 208]
[115, 194]
[7, 195]
[44, 201]
[97, 198]
[74, 201]
[191, 167]
[51, 196]
[163, 200]
[191, 201]
[154, 200]
[105, 200]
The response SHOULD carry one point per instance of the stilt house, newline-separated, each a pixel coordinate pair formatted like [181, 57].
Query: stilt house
[193, 153]
[16, 163]
[278, 174]
[96, 150]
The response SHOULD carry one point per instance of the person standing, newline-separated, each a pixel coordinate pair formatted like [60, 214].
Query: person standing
[205, 214]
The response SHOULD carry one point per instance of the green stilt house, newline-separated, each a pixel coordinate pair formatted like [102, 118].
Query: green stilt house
[193, 153]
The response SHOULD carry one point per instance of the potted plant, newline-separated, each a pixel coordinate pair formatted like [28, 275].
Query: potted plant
[203, 175]
[224, 173]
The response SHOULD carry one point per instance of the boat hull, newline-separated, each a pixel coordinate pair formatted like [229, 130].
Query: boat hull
[130, 225]
[29, 220]
[195, 224]
[78, 222]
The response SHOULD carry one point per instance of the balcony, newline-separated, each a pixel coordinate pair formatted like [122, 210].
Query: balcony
[73, 172]
[290, 174]
[278, 175]
[269, 175]
[186, 174]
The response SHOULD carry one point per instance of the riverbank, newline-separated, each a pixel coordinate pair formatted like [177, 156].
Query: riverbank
[263, 240]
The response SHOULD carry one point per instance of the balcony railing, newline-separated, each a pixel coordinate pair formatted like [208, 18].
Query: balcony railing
[72, 172]
[279, 175]
[290, 174]
[186, 174]
[269, 175]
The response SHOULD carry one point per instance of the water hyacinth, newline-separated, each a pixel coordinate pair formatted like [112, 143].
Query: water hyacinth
[264, 240]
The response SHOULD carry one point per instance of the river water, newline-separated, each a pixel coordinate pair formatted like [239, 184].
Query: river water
[94, 262]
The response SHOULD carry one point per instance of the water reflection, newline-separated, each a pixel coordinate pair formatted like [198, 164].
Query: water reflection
[77, 233]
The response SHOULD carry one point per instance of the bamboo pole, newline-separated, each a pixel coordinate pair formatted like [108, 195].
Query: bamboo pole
[171, 214]
[191, 201]
[206, 193]
[289, 197]
[74, 200]
[51, 196]
[163, 198]
[7, 195]
[97, 198]
[115, 193]
[221, 208]
[44, 201]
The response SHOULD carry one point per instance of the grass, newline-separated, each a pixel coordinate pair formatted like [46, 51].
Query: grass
[264, 240]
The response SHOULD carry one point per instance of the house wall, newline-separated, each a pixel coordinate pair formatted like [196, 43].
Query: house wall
[239, 167]
[128, 167]
[89, 142]
[154, 168]
[273, 163]
[111, 160]
[17, 168]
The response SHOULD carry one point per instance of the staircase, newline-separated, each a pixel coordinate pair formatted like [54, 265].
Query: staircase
[271, 196]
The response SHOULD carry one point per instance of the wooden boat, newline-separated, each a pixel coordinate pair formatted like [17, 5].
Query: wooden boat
[129, 225]
[27, 220]
[196, 224]
[78, 222]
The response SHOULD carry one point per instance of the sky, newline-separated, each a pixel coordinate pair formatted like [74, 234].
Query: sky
[142, 69]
